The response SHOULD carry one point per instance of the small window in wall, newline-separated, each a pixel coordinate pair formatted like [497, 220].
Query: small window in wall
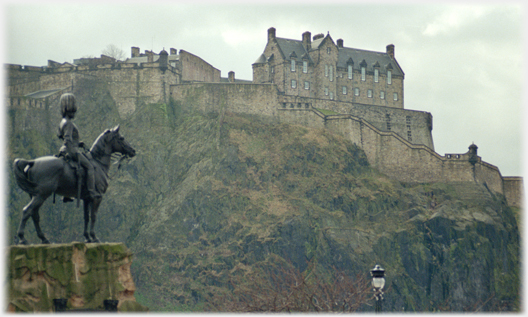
[332, 95]
[408, 119]
[305, 67]
[294, 83]
[382, 95]
[272, 69]
[328, 50]
[363, 74]
[326, 91]
[356, 91]
[409, 136]
[349, 71]
[369, 93]
[344, 90]
[326, 70]
[389, 77]
[395, 96]
[292, 65]
[331, 73]
[376, 75]
[306, 85]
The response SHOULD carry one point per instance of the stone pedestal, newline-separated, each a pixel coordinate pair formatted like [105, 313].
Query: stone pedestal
[75, 276]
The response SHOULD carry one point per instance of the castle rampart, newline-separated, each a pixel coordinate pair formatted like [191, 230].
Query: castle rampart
[388, 151]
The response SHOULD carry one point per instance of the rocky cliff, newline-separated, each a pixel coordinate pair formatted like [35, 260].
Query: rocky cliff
[215, 195]
[82, 275]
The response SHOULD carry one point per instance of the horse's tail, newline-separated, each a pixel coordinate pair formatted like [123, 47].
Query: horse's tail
[21, 168]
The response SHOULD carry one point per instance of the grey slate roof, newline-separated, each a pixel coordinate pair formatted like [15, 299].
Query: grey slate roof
[43, 93]
[370, 58]
[288, 46]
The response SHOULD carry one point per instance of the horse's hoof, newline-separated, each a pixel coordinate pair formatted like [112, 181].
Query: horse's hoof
[96, 241]
[87, 241]
[46, 241]
[22, 242]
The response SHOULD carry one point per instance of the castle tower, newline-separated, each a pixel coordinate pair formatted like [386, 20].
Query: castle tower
[163, 60]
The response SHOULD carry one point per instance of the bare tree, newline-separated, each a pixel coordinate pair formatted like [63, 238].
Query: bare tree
[289, 290]
[115, 52]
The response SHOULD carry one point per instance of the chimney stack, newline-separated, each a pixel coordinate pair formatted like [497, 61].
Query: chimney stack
[307, 40]
[150, 56]
[135, 51]
[271, 34]
[231, 76]
[390, 50]
[340, 43]
[173, 51]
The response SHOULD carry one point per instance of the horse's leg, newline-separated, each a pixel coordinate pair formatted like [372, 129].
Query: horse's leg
[95, 206]
[87, 203]
[36, 221]
[35, 203]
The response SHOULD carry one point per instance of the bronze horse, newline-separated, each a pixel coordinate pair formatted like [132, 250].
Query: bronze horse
[48, 175]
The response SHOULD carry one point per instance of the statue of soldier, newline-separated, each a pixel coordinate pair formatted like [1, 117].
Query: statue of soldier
[69, 133]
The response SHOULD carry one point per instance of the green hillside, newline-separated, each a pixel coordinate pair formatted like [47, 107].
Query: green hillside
[213, 198]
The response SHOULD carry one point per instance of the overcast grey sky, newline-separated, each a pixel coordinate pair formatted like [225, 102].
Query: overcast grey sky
[462, 63]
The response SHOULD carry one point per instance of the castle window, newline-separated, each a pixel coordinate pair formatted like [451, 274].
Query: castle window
[349, 71]
[389, 77]
[363, 74]
[409, 136]
[332, 95]
[457, 156]
[356, 91]
[408, 127]
[376, 75]
[294, 83]
[284, 105]
[292, 65]
[272, 69]
[328, 50]
[382, 95]
[326, 91]
[395, 96]
[326, 70]
[331, 73]
[344, 90]
[307, 105]
[305, 67]
[306, 85]
[369, 93]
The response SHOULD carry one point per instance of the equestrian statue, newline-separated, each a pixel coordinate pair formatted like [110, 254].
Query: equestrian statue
[71, 173]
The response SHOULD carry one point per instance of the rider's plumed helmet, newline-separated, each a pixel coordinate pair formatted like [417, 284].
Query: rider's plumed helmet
[67, 104]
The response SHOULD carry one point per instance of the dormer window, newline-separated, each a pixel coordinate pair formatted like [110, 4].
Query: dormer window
[349, 71]
[376, 75]
[305, 67]
[292, 65]
[389, 77]
[363, 74]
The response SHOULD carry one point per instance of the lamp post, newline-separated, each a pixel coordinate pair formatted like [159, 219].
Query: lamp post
[378, 281]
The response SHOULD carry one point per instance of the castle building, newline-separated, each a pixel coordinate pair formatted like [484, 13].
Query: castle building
[322, 69]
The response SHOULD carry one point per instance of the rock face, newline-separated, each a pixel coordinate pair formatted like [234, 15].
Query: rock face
[83, 274]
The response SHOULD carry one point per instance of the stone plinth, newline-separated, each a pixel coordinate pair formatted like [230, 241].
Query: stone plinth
[85, 276]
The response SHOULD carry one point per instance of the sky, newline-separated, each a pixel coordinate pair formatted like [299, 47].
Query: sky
[463, 63]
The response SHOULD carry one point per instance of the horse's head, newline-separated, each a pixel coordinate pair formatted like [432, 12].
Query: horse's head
[110, 141]
[119, 144]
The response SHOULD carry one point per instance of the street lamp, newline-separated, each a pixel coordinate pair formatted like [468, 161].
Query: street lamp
[378, 281]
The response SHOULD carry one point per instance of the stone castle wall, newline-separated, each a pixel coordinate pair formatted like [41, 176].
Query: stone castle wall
[514, 190]
[388, 151]
[196, 69]
[129, 84]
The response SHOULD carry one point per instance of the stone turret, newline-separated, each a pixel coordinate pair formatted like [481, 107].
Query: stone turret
[473, 158]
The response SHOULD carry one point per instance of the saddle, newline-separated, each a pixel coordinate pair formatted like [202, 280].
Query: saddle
[77, 169]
